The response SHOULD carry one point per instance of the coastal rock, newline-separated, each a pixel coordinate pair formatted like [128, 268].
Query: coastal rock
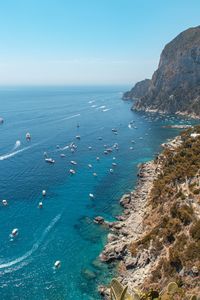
[99, 220]
[175, 85]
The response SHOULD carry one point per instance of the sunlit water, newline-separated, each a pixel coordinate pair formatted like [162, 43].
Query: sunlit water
[63, 229]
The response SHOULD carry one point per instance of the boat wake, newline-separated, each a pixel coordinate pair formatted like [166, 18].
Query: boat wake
[8, 155]
[71, 117]
[34, 248]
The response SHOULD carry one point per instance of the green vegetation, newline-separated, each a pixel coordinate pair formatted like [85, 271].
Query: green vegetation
[174, 237]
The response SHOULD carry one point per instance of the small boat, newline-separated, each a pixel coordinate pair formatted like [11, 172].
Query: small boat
[40, 205]
[105, 152]
[15, 232]
[57, 146]
[100, 138]
[28, 136]
[90, 148]
[78, 137]
[114, 164]
[133, 142]
[50, 160]
[72, 162]
[72, 172]
[4, 202]
[72, 150]
[97, 158]
[44, 193]
[111, 171]
[114, 158]
[89, 166]
[95, 174]
[114, 130]
[57, 264]
[109, 150]
[1, 120]
[91, 196]
[62, 155]
[131, 148]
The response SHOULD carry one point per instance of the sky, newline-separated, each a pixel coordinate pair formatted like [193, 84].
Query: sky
[87, 42]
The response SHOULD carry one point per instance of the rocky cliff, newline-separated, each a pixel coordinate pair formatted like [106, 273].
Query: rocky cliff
[175, 85]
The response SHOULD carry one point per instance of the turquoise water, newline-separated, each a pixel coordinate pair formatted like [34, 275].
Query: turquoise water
[63, 230]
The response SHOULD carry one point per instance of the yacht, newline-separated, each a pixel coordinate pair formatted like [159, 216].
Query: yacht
[50, 160]
[28, 136]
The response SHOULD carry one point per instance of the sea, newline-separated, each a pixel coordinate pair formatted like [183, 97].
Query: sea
[63, 229]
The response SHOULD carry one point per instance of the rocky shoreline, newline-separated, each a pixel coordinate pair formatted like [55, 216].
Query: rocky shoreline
[130, 227]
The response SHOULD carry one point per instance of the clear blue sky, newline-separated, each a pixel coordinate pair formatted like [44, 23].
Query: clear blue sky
[87, 41]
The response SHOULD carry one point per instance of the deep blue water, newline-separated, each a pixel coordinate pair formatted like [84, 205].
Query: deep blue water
[63, 230]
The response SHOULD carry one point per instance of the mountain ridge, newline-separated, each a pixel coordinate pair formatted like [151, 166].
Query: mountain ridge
[175, 85]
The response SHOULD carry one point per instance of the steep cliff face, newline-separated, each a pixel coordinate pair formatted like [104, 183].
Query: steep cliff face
[175, 85]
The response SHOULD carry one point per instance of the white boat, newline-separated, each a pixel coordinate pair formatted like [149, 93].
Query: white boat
[109, 150]
[72, 162]
[114, 130]
[114, 164]
[28, 136]
[111, 171]
[57, 146]
[1, 120]
[114, 158]
[40, 205]
[100, 138]
[89, 166]
[71, 171]
[50, 160]
[105, 152]
[97, 158]
[94, 174]
[15, 232]
[57, 264]
[4, 202]
[78, 137]
[90, 148]
[44, 193]
[131, 148]
[62, 155]
[91, 196]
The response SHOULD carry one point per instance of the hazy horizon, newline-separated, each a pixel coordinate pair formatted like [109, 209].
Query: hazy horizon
[85, 43]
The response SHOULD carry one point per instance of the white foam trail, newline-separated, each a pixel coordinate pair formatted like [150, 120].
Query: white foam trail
[91, 101]
[34, 248]
[17, 145]
[71, 117]
[94, 105]
[8, 155]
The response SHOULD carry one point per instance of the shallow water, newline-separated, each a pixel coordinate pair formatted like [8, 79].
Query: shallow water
[63, 230]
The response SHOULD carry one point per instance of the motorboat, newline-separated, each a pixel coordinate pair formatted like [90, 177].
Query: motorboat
[62, 155]
[72, 172]
[114, 164]
[5, 202]
[95, 174]
[72, 162]
[97, 158]
[91, 196]
[111, 171]
[57, 264]
[28, 136]
[105, 152]
[114, 130]
[50, 160]
[90, 148]
[14, 232]
[78, 137]
[89, 166]
[40, 205]
[44, 193]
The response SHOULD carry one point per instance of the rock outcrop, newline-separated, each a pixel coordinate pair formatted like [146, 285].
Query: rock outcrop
[175, 85]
